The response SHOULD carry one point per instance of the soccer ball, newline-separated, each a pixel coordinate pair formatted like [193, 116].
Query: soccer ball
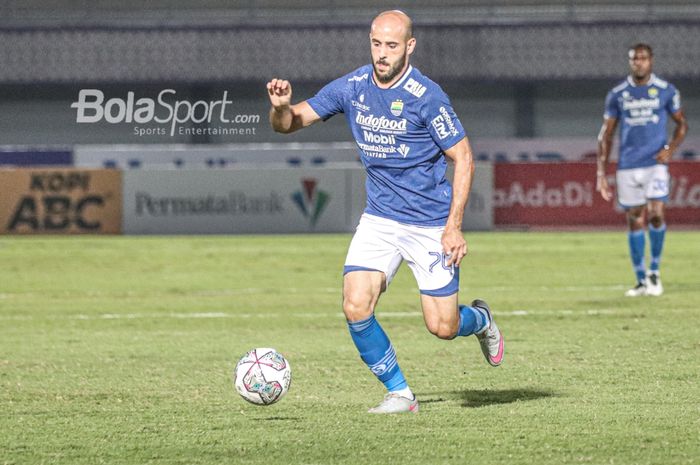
[262, 376]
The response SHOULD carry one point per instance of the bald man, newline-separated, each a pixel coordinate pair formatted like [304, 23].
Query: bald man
[405, 130]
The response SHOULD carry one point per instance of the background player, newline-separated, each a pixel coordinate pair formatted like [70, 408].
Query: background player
[641, 103]
[404, 127]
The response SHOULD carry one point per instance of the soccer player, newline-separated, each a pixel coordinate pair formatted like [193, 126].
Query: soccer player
[641, 103]
[405, 128]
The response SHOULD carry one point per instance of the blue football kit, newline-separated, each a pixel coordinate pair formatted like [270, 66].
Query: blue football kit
[401, 133]
[643, 113]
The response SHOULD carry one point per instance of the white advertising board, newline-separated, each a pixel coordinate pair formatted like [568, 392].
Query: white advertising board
[236, 201]
[268, 201]
[478, 216]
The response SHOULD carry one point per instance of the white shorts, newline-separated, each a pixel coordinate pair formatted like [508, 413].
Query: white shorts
[380, 244]
[636, 186]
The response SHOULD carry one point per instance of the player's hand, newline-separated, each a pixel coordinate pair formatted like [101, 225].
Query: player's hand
[454, 246]
[602, 186]
[280, 93]
[664, 155]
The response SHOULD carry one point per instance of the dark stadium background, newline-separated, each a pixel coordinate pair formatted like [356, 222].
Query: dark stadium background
[528, 79]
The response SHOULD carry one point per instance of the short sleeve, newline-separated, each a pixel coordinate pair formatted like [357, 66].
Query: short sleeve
[674, 103]
[330, 100]
[611, 108]
[441, 120]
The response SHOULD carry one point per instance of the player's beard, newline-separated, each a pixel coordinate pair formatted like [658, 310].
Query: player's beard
[393, 70]
[641, 75]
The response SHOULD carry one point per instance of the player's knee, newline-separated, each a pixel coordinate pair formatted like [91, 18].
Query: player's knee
[356, 306]
[446, 332]
[656, 220]
[635, 222]
[442, 329]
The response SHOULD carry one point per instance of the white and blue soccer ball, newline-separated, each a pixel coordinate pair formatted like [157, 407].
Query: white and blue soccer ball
[262, 376]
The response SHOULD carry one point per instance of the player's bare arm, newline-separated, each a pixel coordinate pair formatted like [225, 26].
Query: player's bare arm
[605, 140]
[453, 242]
[285, 117]
[679, 133]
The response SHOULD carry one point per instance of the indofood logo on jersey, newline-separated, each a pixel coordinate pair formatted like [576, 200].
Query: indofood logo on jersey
[381, 123]
[642, 103]
[311, 201]
[641, 111]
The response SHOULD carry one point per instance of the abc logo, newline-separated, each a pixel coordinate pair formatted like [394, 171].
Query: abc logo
[62, 201]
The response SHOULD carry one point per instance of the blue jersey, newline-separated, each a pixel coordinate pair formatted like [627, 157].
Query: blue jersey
[401, 133]
[643, 113]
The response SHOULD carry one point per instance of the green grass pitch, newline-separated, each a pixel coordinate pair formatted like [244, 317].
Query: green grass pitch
[120, 350]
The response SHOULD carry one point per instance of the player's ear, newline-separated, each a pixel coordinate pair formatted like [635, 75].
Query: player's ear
[411, 45]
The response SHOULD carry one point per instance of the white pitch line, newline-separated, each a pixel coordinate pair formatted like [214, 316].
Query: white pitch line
[157, 316]
[279, 291]
[179, 294]
[615, 287]
[263, 314]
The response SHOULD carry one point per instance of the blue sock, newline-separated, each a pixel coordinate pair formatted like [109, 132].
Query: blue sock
[471, 320]
[636, 242]
[656, 241]
[377, 352]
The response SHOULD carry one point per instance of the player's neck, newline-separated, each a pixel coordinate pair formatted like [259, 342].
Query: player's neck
[641, 81]
[389, 84]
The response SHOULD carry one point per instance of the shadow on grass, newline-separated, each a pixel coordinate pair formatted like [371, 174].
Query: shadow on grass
[485, 397]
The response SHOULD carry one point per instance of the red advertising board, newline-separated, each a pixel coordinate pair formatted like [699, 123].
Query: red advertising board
[563, 194]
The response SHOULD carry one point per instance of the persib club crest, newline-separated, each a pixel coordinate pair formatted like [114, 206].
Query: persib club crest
[396, 107]
[653, 92]
[311, 201]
